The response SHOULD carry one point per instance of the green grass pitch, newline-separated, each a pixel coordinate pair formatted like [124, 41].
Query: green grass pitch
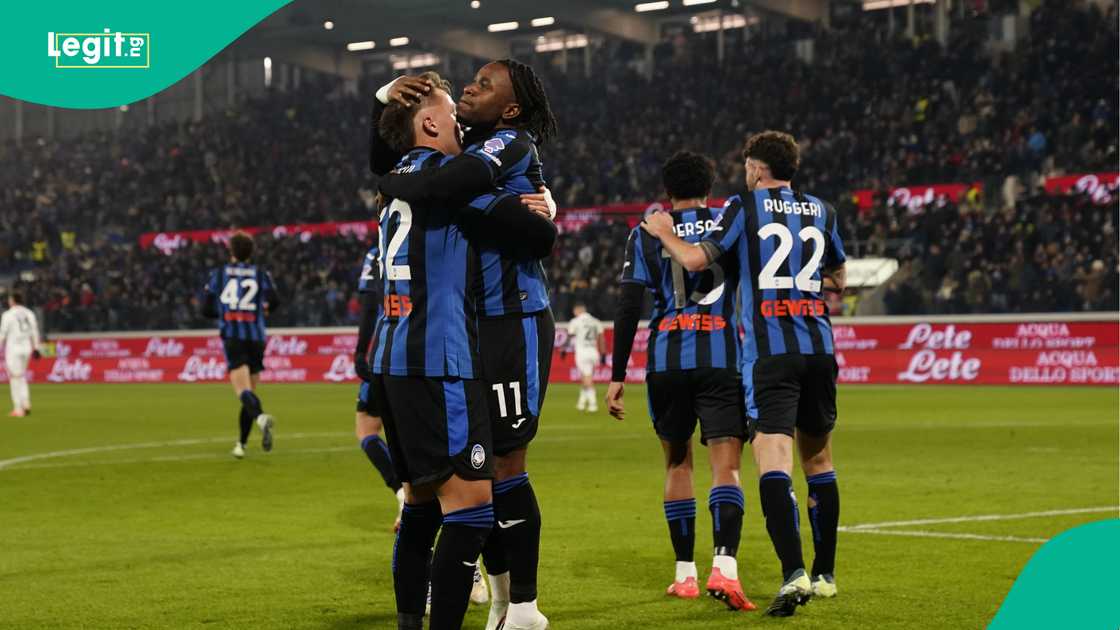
[144, 521]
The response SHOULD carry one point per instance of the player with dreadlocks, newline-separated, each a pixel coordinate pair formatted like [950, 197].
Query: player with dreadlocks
[508, 114]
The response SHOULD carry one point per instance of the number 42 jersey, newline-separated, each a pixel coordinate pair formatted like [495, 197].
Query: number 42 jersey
[243, 292]
[781, 240]
[693, 321]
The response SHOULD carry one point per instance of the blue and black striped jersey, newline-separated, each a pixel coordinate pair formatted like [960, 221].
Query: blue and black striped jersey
[428, 322]
[781, 239]
[369, 281]
[693, 322]
[371, 272]
[506, 286]
[241, 292]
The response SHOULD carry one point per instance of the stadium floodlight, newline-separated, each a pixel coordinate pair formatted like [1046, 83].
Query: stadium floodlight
[651, 6]
[543, 21]
[399, 41]
[357, 46]
[875, 5]
[329, 25]
[502, 26]
[690, 3]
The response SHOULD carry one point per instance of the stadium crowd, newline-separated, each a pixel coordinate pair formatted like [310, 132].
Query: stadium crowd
[109, 286]
[870, 111]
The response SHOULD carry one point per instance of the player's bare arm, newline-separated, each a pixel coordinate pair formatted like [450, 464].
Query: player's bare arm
[541, 203]
[615, 403]
[834, 280]
[693, 257]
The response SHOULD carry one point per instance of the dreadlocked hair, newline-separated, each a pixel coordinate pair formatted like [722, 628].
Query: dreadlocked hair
[536, 114]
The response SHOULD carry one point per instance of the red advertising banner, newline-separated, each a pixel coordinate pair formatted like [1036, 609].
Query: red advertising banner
[915, 198]
[168, 242]
[966, 352]
[1101, 187]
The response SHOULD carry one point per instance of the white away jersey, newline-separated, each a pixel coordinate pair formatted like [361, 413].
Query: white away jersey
[19, 330]
[584, 331]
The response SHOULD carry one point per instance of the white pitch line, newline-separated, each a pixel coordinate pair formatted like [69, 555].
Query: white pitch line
[982, 517]
[18, 462]
[181, 458]
[6, 463]
[953, 535]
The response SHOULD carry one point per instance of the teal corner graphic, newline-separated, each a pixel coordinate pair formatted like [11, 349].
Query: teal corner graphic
[1067, 582]
[88, 55]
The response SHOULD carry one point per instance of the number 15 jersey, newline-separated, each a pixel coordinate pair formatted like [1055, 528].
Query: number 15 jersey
[693, 322]
[781, 240]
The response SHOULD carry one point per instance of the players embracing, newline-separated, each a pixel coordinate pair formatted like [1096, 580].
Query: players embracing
[507, 322]
[787, 248]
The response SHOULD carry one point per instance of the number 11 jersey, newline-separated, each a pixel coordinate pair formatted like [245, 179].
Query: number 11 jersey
[693, 321]
[781, 240]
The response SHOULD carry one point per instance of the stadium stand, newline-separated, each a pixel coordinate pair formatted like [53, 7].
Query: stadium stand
[880, 111]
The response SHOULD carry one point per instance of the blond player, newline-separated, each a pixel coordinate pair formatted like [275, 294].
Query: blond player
[19, 334]
[590, 347]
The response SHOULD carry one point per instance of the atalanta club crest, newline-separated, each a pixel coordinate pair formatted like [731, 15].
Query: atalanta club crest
[478, 456]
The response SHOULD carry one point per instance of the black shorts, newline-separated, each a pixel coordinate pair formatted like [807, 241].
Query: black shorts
[244, 352]
[436, 427]
[367, 401]
[678, 397]
[792, 391]
[516, 355]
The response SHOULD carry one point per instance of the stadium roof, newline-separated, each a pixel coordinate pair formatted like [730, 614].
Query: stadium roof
[299, 28]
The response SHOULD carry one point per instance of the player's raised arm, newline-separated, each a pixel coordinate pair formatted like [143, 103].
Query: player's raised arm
[691, 256]
[405, 90]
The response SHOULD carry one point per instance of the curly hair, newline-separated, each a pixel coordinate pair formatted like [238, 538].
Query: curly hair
[688, 175]
[776, 149]
[395, 125]
[536, 113]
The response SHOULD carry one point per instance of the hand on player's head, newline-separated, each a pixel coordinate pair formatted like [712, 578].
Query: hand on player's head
[409, 90]
[615, 404]
[658, 224]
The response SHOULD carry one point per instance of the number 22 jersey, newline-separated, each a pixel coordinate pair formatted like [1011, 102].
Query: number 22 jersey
[781, 240]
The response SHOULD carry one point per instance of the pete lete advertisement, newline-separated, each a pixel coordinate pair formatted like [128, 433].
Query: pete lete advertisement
[1027, 352]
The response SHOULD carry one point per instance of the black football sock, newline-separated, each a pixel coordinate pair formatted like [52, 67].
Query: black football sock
[454, 563]
[378, 453]
[412, 553]
[824, 517]
[494, 553]
[245, 421]
[519, 518]
[726, 505]
[251, 404]
[681, 515]
[782, 522]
